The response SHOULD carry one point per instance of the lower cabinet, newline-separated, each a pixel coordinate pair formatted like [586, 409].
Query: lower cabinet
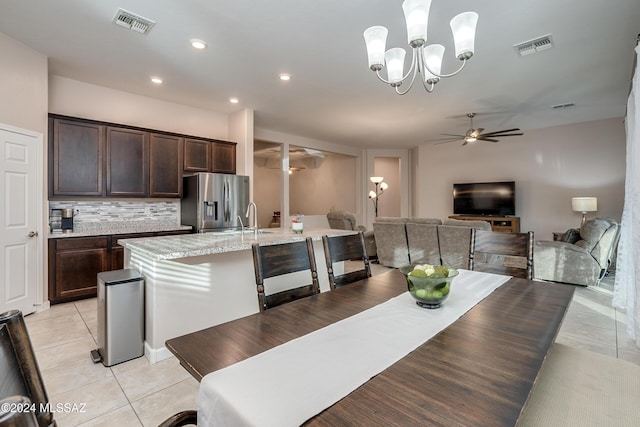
[74, 263]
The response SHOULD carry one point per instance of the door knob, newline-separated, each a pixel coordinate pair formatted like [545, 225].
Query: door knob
[33, 234]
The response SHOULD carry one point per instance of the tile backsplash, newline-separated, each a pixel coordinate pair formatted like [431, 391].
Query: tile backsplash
[100, 213]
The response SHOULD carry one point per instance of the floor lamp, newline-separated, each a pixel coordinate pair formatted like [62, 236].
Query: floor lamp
[375, 195]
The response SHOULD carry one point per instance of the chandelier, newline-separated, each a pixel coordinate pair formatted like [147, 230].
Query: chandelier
[426, 60]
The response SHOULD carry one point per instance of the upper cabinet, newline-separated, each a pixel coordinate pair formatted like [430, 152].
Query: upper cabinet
[197, 155]
[165, 166]
[127, 162]
[209, 156]
[223, 157]
[76, 153]
[95, 159]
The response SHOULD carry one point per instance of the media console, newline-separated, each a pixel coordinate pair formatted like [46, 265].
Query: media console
[507, 224]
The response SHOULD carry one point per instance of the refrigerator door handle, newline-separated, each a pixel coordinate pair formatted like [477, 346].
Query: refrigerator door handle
[227, 202]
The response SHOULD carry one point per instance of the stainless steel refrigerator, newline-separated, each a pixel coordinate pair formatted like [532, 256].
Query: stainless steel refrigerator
[214, 201]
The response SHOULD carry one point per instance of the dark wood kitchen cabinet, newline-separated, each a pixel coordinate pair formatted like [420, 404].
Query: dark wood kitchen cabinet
[223, 159]
[88, 158]
[74, 264]
[165, 165]
[197, 155]
[127, 162]
[75, 158]
[209, 156]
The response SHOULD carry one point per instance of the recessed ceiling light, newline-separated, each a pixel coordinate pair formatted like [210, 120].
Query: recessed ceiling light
[285, 77]
[198, 44]
[233, 100]
[156, 80]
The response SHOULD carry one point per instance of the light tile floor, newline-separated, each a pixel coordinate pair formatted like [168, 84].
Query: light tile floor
[137, 393]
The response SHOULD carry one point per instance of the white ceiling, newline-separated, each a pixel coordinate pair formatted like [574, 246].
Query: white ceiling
[332, 95]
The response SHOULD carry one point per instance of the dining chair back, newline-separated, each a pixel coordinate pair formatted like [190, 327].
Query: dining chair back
[19, 371]
[277, 260]
[350, 247]
[502, 253]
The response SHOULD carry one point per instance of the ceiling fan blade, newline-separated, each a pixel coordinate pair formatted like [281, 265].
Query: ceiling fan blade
[487, 139]
[465, 142]
[503, 134]
[447, 140]
[502, 131]
[453, 134]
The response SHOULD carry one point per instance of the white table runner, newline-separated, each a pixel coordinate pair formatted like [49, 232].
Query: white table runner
[290, 383]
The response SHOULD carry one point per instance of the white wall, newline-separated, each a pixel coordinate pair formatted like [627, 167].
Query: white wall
[79, 99]
[550, 166]
[331, 186]
[23, 86]
[266, 193]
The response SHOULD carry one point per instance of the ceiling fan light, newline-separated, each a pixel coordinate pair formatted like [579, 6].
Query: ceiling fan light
[395, 64]
[433, 59]
[463, 27]
[416, 15]
[376, 41]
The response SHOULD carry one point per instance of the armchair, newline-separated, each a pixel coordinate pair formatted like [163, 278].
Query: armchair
[584, 262]
[343, 220]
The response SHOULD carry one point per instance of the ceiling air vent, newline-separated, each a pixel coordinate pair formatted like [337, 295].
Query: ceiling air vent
[535, 45]
[132, 21]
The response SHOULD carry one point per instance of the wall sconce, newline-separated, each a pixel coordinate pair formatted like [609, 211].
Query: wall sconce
[584, 205]
[380, 187]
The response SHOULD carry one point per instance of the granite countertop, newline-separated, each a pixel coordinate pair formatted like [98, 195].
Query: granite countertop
[115, 227]
[190, 245]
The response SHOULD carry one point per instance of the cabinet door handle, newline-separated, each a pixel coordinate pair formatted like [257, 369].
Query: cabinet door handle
[33, 234]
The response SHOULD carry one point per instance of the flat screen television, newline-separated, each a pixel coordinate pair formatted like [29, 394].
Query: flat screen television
[485, 198]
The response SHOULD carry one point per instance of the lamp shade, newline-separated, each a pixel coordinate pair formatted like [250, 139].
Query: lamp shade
[395, 64]
[433, 58]
[376, 40]
[584, 204]
[463, 27]
[416, 15]
[376, 179]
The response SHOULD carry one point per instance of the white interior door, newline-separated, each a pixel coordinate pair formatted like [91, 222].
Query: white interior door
[20, 220]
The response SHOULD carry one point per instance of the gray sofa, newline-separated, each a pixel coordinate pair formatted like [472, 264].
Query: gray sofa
[343, 220]
[583, 258]
[402, 241]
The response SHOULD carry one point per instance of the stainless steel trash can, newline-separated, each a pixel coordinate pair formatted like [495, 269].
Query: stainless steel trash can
[120, 316]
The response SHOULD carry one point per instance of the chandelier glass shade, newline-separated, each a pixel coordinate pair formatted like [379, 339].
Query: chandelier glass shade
[426, 59]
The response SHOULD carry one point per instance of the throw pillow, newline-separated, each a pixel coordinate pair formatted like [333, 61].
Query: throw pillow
[572, 235]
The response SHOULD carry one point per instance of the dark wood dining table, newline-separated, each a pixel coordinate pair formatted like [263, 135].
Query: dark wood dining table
[479, 371]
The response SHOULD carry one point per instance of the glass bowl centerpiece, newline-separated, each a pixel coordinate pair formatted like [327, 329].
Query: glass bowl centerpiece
[429, 285]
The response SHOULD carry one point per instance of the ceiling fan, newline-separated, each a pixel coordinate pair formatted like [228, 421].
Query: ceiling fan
[473, 135]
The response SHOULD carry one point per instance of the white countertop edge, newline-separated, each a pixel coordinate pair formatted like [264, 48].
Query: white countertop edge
[106, 231]
[193, 245]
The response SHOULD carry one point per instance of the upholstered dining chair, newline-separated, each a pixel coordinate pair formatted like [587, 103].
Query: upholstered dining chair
[276, 260]
[19, 372]
[502, 253]
[344, 248]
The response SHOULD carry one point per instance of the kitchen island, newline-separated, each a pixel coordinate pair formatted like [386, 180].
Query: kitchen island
[196, 281]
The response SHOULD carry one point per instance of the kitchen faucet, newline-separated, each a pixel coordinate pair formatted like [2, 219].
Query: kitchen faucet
[255, 218]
